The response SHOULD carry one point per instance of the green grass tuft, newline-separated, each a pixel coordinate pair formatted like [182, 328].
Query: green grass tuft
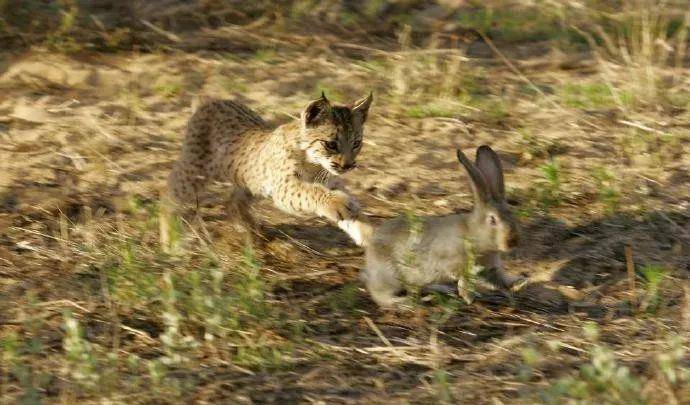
[593, 96]
[549, 187]
[608, 193]
[653, 277]
[430, 110]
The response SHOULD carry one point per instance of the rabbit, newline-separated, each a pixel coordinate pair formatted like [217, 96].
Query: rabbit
[431, 252]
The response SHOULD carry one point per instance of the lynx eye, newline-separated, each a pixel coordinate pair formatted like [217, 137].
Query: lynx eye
[331, 145]
[356, 144]
[492, 220]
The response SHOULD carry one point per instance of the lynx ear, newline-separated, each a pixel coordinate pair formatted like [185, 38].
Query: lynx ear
[316, 111]
[360, 108]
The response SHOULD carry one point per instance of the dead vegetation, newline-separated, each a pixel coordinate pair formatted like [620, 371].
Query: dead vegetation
[587, 103]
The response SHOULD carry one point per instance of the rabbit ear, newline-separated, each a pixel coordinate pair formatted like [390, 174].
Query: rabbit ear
[490, 166]
[481, 192]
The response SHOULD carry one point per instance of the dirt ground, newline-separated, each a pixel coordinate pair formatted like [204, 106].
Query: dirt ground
[88, 139]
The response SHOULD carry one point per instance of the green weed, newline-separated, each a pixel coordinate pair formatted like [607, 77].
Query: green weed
[81, 363]
[345, 299]
[534, 146]
[374, 65]
[349, 19]
[301, 9]
[168, 90]
[131, 281]
[530, 359]
[249, 289]
[593, 96]
[467, 275]
[673, 366]
[652, 277]
[493, 110]
[233, 85]
[132, 99]
[635, 43]
[332, 93]
[549, 187]
[21, 355]
[601, 380]
[442, 386]
[608, 193]
[445, 307]
[514, 23]
[269, 56]
[430, 110]
[415, 222]
[525, 211]
[175, 343]
[262, 355]
[62, 38]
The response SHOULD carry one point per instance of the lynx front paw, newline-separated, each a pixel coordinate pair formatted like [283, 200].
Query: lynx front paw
[359, 231]
[340, 206]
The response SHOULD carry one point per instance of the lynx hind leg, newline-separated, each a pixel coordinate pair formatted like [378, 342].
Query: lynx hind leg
[185, 183]
[381, 281]
[239, 209]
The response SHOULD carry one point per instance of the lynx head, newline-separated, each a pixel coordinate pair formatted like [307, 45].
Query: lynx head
[332, 134]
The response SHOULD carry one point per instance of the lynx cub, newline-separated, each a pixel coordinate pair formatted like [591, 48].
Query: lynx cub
[291, 164]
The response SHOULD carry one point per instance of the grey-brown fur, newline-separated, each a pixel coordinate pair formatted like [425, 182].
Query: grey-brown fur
[291, 164]
[420, 251]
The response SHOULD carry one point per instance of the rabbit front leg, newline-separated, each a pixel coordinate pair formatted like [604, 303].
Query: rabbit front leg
[495, 274]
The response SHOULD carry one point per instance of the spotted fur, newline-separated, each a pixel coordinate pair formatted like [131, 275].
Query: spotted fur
[291, 164]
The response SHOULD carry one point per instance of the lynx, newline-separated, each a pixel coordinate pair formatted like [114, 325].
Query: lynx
[294, 164]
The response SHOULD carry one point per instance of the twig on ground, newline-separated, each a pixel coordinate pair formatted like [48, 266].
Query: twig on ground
[640, 126]
[378, 332]
[167, 34]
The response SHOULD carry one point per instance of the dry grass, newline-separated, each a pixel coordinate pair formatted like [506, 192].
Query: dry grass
[640, 48]
[104, 297]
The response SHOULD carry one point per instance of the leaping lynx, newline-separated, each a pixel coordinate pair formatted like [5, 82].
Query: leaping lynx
[292, 164]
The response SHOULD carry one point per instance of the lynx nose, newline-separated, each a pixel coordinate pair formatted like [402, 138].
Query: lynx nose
[349, 166]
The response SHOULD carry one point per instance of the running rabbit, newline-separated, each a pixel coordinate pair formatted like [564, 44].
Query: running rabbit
[431, 252]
